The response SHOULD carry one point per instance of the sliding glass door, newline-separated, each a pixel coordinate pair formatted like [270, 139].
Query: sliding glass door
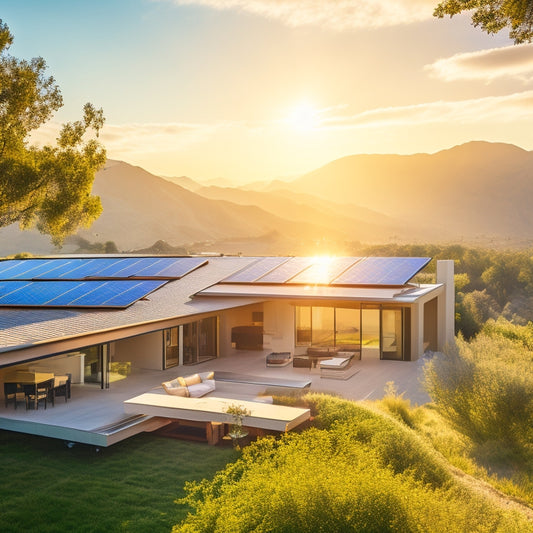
[200, 340]
[392, 334]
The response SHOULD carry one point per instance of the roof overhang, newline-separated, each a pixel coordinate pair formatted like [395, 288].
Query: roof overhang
[402, 294]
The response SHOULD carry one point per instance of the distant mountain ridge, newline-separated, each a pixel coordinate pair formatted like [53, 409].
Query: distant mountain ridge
[478, 192]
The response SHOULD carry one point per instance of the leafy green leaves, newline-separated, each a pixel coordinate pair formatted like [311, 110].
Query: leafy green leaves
[48, 187]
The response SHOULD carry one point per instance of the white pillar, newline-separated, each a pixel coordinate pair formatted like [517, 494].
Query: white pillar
[446, 307]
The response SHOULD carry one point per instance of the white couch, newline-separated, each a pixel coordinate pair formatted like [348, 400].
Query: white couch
[193, 386]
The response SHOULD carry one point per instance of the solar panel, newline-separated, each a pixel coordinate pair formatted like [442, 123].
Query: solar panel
[382, 271]
[286, 271]
[100, 294]
[177, 268]
[6, 267]
[80, 268]
[257, 269]
[26, 269]
[324, 270]
[99, 268]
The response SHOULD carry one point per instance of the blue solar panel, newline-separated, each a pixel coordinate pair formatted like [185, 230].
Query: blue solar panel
[79, 268]
[177, 268]
[25, 269]
[7, 266]
[100, 294]
[99, 268]
[382, 271]
[286, 271]
[324, 270]
[257, 269]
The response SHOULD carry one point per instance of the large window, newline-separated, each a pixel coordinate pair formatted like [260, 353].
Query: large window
[327, 326]
[200, 340]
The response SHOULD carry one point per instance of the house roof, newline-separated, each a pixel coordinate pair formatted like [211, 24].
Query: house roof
[24, 327]
[200, 291]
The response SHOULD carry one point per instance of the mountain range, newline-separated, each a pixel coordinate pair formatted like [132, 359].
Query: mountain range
[476, 193]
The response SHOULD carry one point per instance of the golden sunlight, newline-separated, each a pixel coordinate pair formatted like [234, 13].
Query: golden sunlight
[303, 117]
[319, 273]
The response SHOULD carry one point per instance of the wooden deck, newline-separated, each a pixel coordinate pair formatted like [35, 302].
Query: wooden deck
[98, 417]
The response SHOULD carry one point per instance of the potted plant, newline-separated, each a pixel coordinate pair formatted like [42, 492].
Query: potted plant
[237, 412]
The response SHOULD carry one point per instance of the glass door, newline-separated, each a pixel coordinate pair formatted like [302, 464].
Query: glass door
[370, 331]
[190, 343]
[96, 365]
[391, 334]
[172, 347]
[348, 329]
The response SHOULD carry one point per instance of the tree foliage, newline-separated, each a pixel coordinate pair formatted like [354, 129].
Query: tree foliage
[48, 187]
[488, 282]
[495, 15]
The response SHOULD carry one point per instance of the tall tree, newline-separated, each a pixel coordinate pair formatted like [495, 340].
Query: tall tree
[48, 187]
[495, 15]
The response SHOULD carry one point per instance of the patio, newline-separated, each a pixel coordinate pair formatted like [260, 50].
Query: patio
[95, 416]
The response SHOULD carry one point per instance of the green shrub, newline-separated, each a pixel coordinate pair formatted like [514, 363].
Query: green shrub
[396, 405]
[328, 480]
[485, 388]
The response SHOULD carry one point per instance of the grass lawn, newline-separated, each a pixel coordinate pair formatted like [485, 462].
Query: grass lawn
[129, 487]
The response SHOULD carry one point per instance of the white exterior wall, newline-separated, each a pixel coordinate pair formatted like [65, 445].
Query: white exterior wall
[143, 351]
[239, 316]
[278, 326]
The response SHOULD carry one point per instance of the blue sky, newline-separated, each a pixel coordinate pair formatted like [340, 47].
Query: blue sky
[258, 89]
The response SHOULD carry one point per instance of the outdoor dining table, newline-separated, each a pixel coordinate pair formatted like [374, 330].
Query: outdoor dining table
[29, 381]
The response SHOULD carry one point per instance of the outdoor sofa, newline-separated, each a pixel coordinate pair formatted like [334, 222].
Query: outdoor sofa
[193, 386]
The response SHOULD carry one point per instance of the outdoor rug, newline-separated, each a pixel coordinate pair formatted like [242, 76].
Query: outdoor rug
[261, 380]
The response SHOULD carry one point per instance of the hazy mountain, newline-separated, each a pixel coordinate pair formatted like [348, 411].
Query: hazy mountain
[471, 191]
[185, 182]
[475, 193]
[355, 223]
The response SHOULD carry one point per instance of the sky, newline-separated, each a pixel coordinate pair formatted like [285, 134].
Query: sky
[247, 90]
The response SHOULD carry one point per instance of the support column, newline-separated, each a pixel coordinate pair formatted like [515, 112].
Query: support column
[446, 305]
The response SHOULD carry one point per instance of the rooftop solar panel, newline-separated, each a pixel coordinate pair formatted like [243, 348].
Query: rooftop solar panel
[382, 271]
[99, 268]
[286, 271]
[180, 267]
[100, 294]
[324, 270]
[26, 269]
[257, 269]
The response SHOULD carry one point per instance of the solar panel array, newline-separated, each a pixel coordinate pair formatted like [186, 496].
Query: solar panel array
[99, 268]
[88, 282]
[382, 271]
[112, 294]
[336, 271]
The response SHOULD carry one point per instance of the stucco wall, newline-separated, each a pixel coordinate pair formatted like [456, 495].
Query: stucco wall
[240, 316]
[278, 326]
[143, 351]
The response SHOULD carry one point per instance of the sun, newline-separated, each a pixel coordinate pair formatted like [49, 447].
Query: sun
[303, 117]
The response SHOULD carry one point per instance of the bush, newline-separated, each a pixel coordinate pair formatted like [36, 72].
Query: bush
[485, 388]
[348, 477]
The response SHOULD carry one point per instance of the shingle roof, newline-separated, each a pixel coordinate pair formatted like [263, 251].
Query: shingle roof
[25, 327]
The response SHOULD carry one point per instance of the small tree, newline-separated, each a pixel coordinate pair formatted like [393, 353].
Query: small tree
[48, 187]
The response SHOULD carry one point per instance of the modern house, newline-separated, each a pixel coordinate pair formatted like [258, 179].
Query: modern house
[99, 318]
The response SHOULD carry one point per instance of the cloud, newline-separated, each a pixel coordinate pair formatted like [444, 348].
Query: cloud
[123, 140]
[333, 14]
[504, 109]
[509, 61]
